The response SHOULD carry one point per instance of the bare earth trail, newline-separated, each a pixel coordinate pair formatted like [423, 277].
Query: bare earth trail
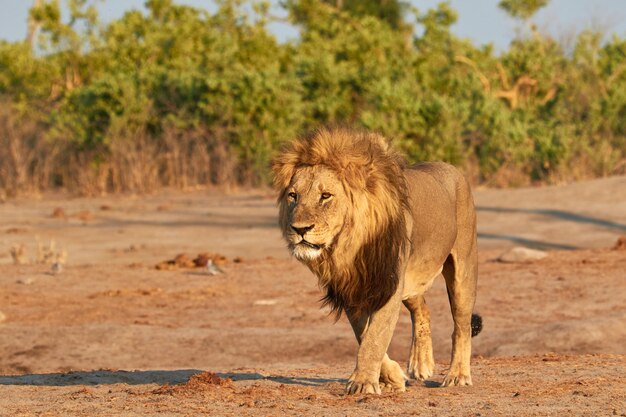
[111, 335]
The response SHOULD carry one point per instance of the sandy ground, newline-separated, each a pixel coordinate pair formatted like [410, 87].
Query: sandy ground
[111, 335]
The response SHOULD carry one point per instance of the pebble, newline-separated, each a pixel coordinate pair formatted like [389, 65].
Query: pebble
[265, 302]
[25, 281]
[520, 254]
[3, 317]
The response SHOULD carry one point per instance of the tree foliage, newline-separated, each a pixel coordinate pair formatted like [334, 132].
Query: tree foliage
[180, 96]
[391, 12]
[522, 9]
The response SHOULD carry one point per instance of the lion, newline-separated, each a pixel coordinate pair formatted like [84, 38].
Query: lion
[376, 233]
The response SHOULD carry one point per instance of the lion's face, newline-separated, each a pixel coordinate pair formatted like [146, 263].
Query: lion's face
[315, 207]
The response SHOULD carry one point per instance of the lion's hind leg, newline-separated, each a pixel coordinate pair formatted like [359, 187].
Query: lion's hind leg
[460, 275]
[421, 360]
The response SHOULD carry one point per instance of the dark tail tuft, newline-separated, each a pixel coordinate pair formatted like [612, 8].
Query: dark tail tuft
[477, 324]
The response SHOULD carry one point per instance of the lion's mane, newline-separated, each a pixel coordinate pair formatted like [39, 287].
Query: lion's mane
[359, 272]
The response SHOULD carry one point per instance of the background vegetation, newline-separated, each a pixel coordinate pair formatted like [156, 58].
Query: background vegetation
[182, 97]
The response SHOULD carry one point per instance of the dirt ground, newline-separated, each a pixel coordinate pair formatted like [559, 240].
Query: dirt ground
[109, 334]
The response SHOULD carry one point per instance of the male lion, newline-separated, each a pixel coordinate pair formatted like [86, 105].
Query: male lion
[376, 233]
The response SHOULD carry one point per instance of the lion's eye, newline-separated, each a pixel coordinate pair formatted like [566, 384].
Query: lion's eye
[293, 196]
[326, 196]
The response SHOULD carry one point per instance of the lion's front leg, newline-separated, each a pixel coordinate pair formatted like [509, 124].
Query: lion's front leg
[373, 332]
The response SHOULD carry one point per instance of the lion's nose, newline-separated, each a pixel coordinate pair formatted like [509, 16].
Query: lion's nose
[302, 230]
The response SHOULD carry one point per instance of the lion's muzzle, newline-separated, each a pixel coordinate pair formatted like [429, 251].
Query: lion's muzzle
[301, 230]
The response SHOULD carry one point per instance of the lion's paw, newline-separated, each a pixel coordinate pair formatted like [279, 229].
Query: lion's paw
[357, 387]
[362, 384]
[456, 379]
[422, 367]
[392, 376]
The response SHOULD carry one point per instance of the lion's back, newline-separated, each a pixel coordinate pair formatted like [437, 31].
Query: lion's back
[448, 177]
[439, 181]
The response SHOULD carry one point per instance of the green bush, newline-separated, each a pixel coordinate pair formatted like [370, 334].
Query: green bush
[193, 98]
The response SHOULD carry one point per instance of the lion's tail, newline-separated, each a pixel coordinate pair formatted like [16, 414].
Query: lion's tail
[477, 324]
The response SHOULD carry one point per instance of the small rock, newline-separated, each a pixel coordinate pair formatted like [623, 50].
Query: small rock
[56, 268]
[183, 261]
[520, 254]
[3, 317]
[166, 265]
[85, 216]
[132, 248]
[25, 281]
[620, 244]
[59, 213]
[265, 302]
[203, 258]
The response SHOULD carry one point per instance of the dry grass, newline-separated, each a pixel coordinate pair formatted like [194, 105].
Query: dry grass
[27, 160]
[138, 163]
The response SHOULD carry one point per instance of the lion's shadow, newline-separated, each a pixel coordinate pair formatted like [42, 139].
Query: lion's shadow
[162, 377]
[287, 380]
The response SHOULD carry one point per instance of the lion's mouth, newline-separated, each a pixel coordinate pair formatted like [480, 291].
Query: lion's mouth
[310, 245]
